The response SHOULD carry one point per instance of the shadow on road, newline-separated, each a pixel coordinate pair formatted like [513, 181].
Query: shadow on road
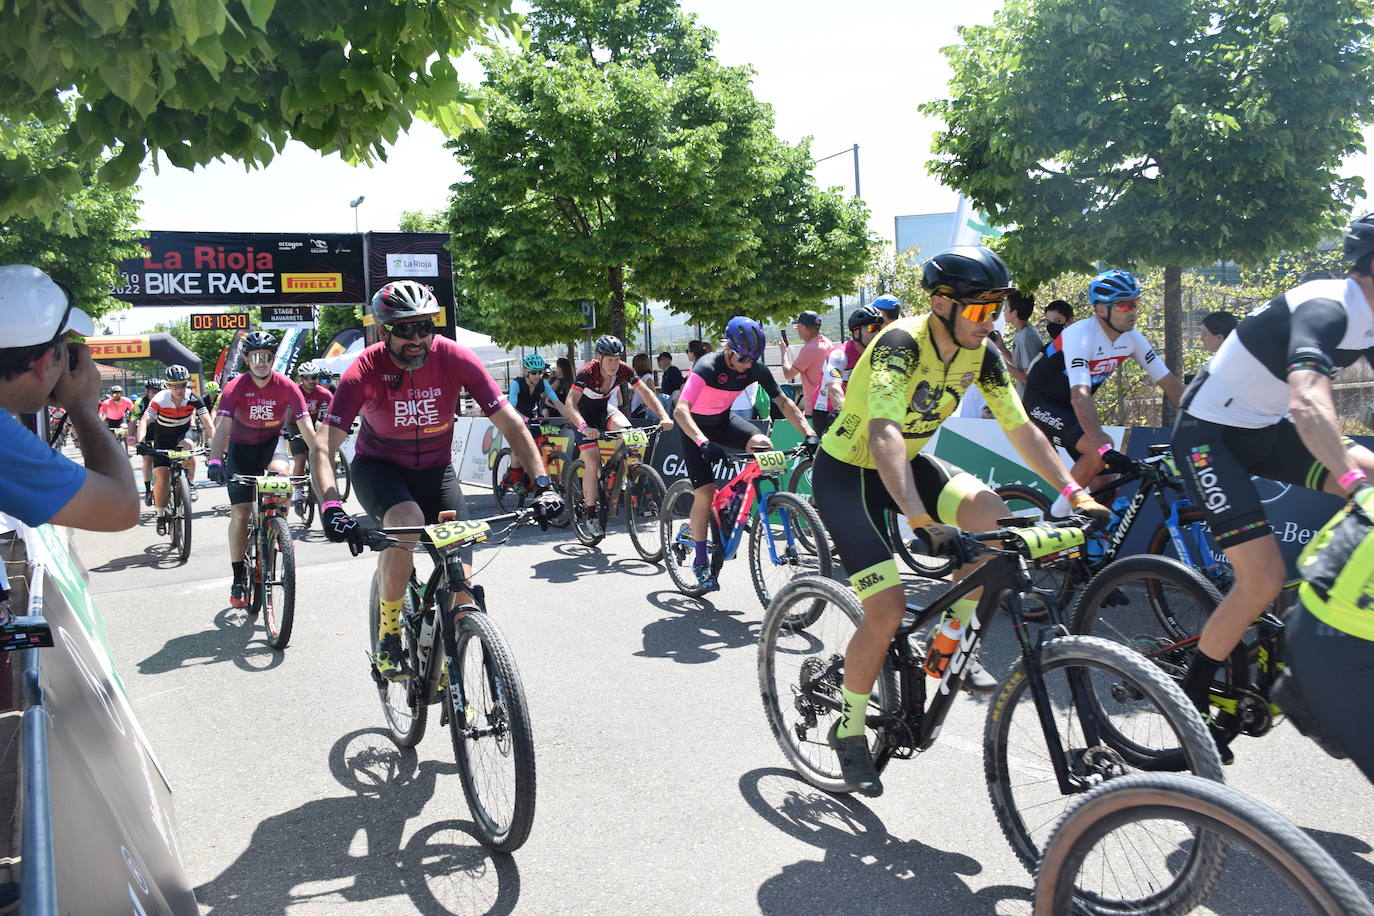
[155, 556]
[863, 867]
[227, 642]
[348, 848]
[694, 630]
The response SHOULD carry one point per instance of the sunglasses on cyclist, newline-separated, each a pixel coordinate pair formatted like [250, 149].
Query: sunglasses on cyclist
[1127, 305]
[411, 329]
[259, 356]
[176, 384]
[980, 311]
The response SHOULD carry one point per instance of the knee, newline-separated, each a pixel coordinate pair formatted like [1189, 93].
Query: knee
[404, 515]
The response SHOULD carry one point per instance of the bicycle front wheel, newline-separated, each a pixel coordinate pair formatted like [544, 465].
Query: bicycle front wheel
[501, 487]
[1107, 854]
[1147, 603]
[405, 714]
[776, 551]
[278, 583]
[1078, 672]
[679, 550]
[556, 464]
[582, 525]
[181, 518]
[801, 673]
[343, 481]
[799, 482]
[643, 507]
[490, 727]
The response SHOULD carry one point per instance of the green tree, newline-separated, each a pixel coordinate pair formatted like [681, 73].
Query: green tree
[622, 163]
[898, 274]
[193, 81]
[92, 233]
[1170, 133]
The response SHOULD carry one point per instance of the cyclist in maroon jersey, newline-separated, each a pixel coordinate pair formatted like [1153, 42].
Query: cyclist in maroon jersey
[588, 408]
[405, 388]
[316, 397]
[258, 404]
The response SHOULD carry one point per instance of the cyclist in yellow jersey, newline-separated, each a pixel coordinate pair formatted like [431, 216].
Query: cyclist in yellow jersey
[908, 381]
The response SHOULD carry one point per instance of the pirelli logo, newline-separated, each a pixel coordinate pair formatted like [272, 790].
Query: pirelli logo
[312, 283]
[119, 347]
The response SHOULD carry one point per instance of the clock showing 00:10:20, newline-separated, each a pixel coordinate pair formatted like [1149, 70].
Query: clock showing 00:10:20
[219, 321]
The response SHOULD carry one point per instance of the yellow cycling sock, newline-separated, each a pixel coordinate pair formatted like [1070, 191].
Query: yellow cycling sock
[962, 610]
[852, 715]
[390, 618]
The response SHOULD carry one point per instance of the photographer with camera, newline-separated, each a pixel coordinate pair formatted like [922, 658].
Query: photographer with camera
[44, 361]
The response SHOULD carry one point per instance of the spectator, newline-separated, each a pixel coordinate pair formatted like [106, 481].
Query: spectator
[810, 362]
[644, 372]
[670, 376]
[696, 349]
[41, 364]
[890, 306]
[559, 381]
[1058, 316]
[1026, 344]
[1215, 327]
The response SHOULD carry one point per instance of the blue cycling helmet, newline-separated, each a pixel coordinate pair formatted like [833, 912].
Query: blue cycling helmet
[745, 337]
[1113, 286]
[888, 303]
[534, 363]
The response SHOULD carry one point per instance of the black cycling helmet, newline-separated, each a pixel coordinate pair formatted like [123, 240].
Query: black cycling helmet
[176, 374]
[606, 345]
[1358, 243]
[402, 299]
[863, 316]
[259, 340]
[964, 271]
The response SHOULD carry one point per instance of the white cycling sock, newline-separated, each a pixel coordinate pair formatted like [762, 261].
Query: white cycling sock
[1061, 507]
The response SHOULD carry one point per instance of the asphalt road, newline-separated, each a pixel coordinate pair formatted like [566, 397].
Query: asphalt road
[660, 786]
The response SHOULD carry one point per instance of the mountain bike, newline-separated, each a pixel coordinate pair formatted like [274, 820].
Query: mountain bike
[1182, 534]
[511, 495]
[461, 661]
[179, 497]
[1049, 735]
[1109, 852]
[751, 501]
[625, 482]
[1158, 611]
[270, 557]
[910, 548]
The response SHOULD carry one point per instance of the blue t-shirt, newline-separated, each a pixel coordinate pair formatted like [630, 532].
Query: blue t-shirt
[37, 481]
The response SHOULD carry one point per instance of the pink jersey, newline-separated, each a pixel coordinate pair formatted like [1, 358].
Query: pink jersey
[115, 409]
[260, 413]
[317, 399]
[407, 416]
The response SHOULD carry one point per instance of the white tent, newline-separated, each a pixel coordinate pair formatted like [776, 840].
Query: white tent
[487, 350]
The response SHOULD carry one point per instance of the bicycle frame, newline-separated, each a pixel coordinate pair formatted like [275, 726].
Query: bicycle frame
[754, 501]
[615, 467]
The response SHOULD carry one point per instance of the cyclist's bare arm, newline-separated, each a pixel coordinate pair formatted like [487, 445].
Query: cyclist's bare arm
[834, 395]
[1085, 408]
[1172, 387]
[1314, 415]
[570, 408]
[327, 442]
[219, 443]
[306, 427]
[513, 428]
[794, 415]
[651, 401]
[682, 413]
[1030, 443]
[889, 453]
[206, 424]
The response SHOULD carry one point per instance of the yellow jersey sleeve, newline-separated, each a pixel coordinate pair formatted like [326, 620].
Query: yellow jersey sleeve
[996, 387]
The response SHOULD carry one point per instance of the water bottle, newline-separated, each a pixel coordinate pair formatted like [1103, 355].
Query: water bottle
[942, 648]
[730, 511]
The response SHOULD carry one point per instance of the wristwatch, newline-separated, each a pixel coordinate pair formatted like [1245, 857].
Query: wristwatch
[542, 481]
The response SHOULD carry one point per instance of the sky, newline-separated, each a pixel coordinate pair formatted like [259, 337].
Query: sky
[839, 73]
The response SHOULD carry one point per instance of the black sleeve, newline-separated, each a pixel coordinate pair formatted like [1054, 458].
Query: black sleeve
[1314, 335]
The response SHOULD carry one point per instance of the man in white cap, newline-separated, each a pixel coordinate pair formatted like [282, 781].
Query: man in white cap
[44, 361]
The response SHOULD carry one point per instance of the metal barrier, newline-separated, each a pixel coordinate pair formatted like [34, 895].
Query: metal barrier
[38, 878]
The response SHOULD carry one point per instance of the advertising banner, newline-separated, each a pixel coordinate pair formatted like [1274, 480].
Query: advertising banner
[341, 342]
[245, 268]
[419, 256]
[114, 832]
[232, 362]
[279, 317]
[289, 350]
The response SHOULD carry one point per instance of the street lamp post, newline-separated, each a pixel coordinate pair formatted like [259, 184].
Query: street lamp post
[858, 195]
[354, 204]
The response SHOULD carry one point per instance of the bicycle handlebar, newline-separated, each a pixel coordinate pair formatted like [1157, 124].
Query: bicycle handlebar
[388, 538]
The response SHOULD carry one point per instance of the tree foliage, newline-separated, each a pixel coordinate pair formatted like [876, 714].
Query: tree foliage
[91, 232]
[1170, 133]
[622, 163]
[193, 81]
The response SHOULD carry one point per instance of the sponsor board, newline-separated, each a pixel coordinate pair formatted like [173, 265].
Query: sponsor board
[412, 265]
[119, 347]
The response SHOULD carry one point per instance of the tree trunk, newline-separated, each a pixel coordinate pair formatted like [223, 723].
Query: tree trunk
[1173, 332]
[615, 278]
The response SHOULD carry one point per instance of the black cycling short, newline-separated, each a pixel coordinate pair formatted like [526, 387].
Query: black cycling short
[853, 503]
[149, 433]
[821, 420]
[249, 459]
[596, 424]
[728, 430]
[381, 485]
[116, 423]
[1056, 420]
[1217, 461]
[168, 437]
[296, 445]
[1334, 674]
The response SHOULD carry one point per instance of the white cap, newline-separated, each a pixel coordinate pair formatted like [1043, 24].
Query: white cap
[32, 307]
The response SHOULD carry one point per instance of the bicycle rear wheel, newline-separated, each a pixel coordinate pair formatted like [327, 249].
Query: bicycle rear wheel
[577, 506]
[502, 489]
[1020, 773]
[343, 480]
[643, 506]
[181, 518]
[405, 714]
[913, 552]
[556, 464]
[801, 673]
[1165, 603]
[1197, 539]
[776, 554]
[679, 551]
[1139, 817]
[278, 583]
[491, 734]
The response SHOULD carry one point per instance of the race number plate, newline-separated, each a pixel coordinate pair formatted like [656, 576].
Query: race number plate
[635, 437]
[1041, 542]
[549, 430]
[178, 454]
[446, 533]
[771, 462]
[274, 485]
